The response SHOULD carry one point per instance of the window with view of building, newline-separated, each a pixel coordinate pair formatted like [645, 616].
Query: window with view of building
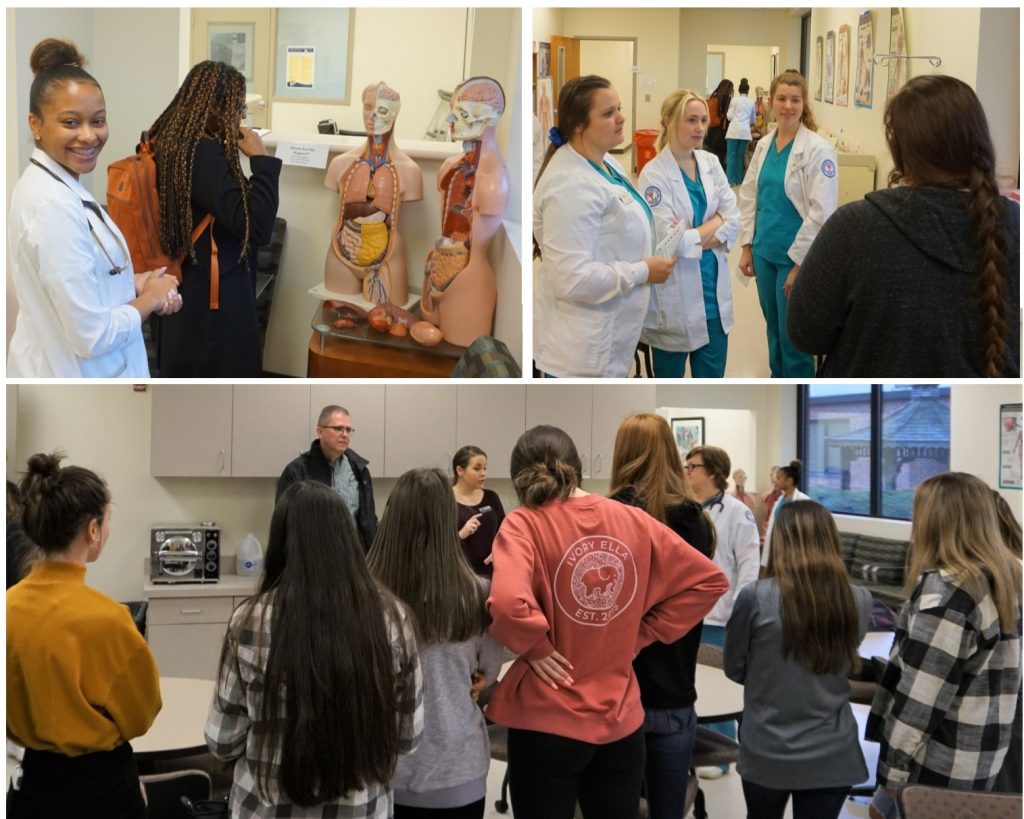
[866, 448]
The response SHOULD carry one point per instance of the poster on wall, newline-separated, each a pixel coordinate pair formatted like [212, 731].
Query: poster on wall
[898, 48]
[865, 61]
[830, 62]
[543, 60]
[689, 433]
[1011, 447]
[819, 48]
[545, 105]
[843, 66]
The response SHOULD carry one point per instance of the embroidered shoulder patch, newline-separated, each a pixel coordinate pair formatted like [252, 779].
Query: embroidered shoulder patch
[828, 167]
[652, 195]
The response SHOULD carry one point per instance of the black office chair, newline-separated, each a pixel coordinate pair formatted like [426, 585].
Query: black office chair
[164, 793]
[138, 609]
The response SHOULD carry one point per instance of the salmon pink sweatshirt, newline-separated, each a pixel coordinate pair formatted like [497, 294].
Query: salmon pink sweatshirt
[596, 581]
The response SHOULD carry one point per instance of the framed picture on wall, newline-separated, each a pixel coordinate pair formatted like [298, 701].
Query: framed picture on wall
[543, 60]
[898, 48]
[843, 66]
[819, 54]
[1011, 447]
[865, 61]
[688, 432]
[830, 63]
[545, 105]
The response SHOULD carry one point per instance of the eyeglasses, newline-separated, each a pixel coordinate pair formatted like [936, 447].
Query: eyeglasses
[341, 430]
[691, 467]
[115, 269]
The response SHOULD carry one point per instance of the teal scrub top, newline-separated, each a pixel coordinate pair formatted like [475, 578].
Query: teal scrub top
[708, 260]
[616, 178]
[777, 221]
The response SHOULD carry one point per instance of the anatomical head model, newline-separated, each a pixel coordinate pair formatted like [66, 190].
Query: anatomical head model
[381, 105]
[476, 104]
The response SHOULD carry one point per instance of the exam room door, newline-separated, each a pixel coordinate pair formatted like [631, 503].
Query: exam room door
[614, 59]
[240, 37]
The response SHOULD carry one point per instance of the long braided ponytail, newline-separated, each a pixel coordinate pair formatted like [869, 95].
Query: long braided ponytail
[209, 103]
[938, 135]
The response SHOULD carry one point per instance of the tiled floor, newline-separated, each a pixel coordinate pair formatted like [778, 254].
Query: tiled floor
[724, 798]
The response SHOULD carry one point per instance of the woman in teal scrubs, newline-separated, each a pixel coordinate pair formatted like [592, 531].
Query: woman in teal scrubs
[790, 189]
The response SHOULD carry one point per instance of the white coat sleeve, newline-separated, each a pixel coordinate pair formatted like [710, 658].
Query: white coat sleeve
[727, 208]
[822, 198]
[65, 252]
[747, 195]
[572, 227]
[664, 215]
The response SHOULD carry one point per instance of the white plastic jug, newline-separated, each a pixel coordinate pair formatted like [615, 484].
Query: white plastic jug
[249, 560]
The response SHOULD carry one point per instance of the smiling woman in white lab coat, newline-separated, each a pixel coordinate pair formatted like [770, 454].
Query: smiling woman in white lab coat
[690, 315]
[790, 189]
[595, 237]
[80, 305]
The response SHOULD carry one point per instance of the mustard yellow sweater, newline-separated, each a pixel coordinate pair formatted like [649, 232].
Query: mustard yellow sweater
[80, 677]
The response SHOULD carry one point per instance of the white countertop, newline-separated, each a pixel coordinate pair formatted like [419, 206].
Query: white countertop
[229, 585]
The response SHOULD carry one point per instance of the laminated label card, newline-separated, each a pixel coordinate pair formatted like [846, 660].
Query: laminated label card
[305, 154]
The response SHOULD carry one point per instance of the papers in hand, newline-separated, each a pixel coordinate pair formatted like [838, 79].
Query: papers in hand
[668, 245]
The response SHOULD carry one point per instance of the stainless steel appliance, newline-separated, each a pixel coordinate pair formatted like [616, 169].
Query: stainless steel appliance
[184, 554]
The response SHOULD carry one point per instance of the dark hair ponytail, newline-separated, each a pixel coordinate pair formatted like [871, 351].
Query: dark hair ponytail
[57, 503]
[793, 471]
[462, 458]
[573, 111]
[54, 62]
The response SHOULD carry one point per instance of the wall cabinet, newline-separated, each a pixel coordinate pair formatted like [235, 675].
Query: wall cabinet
[268, 428]
[419, 428]
[365, 404]
[491, 418]
[190, 434]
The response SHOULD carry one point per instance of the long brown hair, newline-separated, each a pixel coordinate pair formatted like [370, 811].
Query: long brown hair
[955, 527]
[573, 111]
[793, 77]
[938, 136]
[820, 622]
[646, 459]
[330, 668]
[417, 555]
[209, 103]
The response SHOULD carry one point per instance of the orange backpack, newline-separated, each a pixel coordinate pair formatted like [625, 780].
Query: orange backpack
[134, 205]
[714, 118]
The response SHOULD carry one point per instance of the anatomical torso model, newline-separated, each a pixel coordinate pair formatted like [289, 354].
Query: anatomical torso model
[367, 254]
[459, 290]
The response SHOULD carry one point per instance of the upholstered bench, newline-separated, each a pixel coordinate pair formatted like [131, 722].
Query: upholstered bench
[878, 564]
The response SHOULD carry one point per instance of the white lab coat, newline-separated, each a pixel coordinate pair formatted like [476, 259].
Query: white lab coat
[74, 319]
[591, 292]
[808, 185]
[737, 546]
[676, 320]
[797, 495]
[741, 116]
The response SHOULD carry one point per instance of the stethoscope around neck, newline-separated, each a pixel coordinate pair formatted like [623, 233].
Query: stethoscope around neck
[115, 268]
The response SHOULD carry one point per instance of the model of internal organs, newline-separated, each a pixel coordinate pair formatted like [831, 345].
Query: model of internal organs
[459, 291]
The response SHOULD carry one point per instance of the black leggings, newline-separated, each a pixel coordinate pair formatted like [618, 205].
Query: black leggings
[549, 773]
[474, 810]
[817, 803]
[100, 785]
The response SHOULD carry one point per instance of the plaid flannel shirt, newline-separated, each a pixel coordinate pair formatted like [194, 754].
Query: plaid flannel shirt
[232, 729]
[945, 704]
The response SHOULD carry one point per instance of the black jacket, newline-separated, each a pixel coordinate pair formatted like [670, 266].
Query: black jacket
[666, 671]
[889, 288]
[313, 466]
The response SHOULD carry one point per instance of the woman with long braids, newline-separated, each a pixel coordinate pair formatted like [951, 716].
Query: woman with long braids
[319, 689]
[197, 141]
[80, 303]
[595, 236]
[921, 279]
[417, 556]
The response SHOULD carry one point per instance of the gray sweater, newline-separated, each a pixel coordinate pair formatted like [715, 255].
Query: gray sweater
[449, 768]
[798, 728]
[890, 289]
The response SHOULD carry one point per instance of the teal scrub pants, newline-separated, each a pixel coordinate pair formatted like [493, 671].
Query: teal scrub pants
[705, 362]
[735, 152]
[785, 360]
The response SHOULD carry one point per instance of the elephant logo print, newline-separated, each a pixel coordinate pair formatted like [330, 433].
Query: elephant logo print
[596, 580]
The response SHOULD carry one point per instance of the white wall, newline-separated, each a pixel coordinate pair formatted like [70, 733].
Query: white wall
[998, 50]
[732, 430]
[752, 62]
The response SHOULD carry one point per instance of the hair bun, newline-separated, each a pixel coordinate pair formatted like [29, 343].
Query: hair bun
[795, 463]
[52, 53]
[45, 465]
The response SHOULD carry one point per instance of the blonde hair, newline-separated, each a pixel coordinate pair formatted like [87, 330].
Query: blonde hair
[820, 625]
[793, 77]
[672, 108]
[955, 528]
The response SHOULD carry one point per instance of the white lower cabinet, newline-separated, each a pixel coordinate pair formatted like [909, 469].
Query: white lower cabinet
[185, 634]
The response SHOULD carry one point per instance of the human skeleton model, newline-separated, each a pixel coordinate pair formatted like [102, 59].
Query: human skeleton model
[459, 291]
[367, 254]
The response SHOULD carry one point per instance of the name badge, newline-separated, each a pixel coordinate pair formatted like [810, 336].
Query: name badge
[626, 199]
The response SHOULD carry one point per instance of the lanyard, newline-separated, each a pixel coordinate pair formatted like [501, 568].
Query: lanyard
[115, 269]
[616, 178]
